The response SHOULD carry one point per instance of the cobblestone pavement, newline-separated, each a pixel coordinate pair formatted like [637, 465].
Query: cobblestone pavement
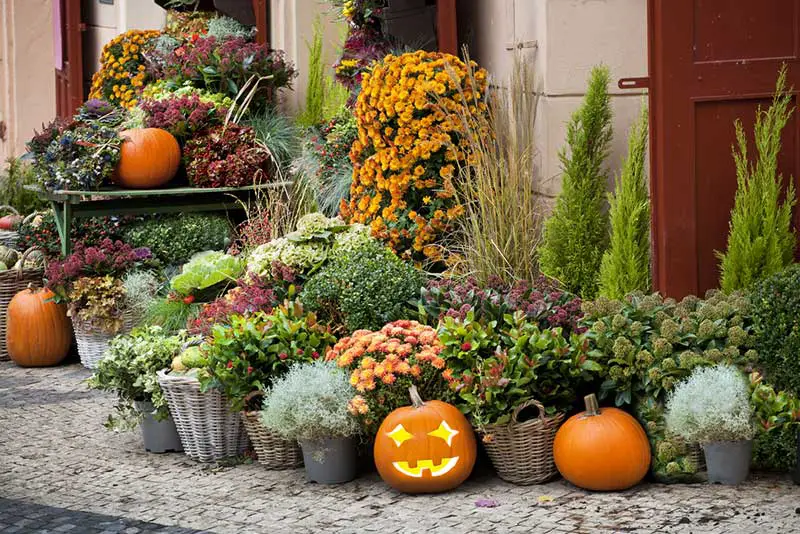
[60, 471]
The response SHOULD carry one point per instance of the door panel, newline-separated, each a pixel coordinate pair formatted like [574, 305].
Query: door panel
[711, 62]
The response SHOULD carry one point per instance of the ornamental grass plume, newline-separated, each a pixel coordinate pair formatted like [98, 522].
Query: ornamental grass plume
[500, 230]
[576, 235]
[761, 242]
[626, 264]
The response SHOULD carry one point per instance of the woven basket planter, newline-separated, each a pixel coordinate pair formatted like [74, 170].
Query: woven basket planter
[9, 237]
[522, 453]
[92, 344]
[12, 281]
[209, 430]
[273, 452]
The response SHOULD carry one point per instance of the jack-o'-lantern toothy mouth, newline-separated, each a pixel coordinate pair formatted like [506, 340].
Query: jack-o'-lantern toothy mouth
[436, 470]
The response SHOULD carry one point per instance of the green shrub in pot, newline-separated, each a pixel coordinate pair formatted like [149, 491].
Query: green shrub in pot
[129, 369]
[309, 404]
[712, 407]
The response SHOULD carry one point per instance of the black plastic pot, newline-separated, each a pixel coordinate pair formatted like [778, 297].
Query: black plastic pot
[241, 10]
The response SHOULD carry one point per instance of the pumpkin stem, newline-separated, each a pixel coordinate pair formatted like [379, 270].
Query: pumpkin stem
[416, 400]
[592, 406]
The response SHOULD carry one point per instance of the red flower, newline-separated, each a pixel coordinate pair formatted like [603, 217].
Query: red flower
[283, 355]
[300, 352]
[315, 355]
[466, 347]
[230, 364]
[188, 300]
[249, 370]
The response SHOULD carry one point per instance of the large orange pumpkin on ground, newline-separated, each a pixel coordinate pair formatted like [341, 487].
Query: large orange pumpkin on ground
[602, 449]
[427, 447]
[149, 158]
[38, 332]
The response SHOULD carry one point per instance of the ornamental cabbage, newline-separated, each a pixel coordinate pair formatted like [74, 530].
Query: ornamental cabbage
[206, 269]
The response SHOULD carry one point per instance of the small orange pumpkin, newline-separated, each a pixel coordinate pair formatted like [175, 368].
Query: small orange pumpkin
[149, 158]
[38, 333]
[602, 449]
[427, 447]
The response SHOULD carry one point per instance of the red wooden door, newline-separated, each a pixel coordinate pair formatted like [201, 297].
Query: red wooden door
[69, 78]
[711, 61]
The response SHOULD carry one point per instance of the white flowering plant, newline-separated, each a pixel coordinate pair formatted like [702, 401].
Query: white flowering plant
[713, 404]
[310, 403]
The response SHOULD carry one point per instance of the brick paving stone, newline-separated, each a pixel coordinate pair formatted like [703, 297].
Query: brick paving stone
[60, 469]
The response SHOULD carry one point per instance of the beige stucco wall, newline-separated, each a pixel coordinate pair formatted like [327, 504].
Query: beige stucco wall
[292, 29]
[571, 36]
[27, 79]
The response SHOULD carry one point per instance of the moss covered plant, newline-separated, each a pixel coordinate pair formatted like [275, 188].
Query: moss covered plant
[761, 241]
[626, 264]
[576, 235]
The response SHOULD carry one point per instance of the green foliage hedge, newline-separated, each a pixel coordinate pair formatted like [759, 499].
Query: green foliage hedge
[174, 239]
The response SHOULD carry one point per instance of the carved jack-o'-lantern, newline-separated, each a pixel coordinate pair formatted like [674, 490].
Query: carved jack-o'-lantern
[425, 448]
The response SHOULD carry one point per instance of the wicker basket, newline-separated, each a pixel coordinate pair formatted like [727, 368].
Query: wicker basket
[12, 281]
[92, 345]
[209, 430]
[9, 237]
[273, 451]
[522, 453]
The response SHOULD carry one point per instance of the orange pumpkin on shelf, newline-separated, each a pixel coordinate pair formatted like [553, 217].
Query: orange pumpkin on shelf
[149, 158]
[602, 449]
[427, 447]
[38, 333]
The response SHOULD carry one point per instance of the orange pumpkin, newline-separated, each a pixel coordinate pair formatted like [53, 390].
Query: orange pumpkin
[602, 449]
[149, 158]
[427, 447]
[38, 332]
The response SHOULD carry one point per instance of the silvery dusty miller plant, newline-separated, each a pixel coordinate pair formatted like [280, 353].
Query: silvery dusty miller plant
[310, 403]
[713, 404]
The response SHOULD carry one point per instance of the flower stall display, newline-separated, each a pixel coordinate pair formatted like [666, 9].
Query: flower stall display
[309, 405]
[130, 370]
[500, 370]
[602, 449]
[149, 158]
[37, 329]
[427, 447]
[712, 407]
[248, 355]
[408, 152]
[383, 365]
[123, 72]
[90, 280]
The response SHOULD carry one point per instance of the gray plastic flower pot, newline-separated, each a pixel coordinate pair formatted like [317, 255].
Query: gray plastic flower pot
[330, 461]
[728, 462]
[158, 436]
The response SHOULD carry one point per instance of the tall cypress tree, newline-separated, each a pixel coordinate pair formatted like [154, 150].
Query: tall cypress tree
[761, 241]
[576, 234]
[626, 263]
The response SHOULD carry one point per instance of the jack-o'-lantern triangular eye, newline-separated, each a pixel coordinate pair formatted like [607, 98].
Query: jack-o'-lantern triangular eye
[399, 435]
[445, 432]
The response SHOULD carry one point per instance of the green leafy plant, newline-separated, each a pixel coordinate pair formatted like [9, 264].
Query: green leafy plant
[16, 176]
[310, 403]
[713, 404]
[576, 235]
[496, 371]
[171, 313]
[252, 351]
[500, 231]
[626, 264]
[97, 302]
[129, 369]
[364, 288]
[175, 239]
[315, 87]
[775, 302]
[206, 272]
[761, 241]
